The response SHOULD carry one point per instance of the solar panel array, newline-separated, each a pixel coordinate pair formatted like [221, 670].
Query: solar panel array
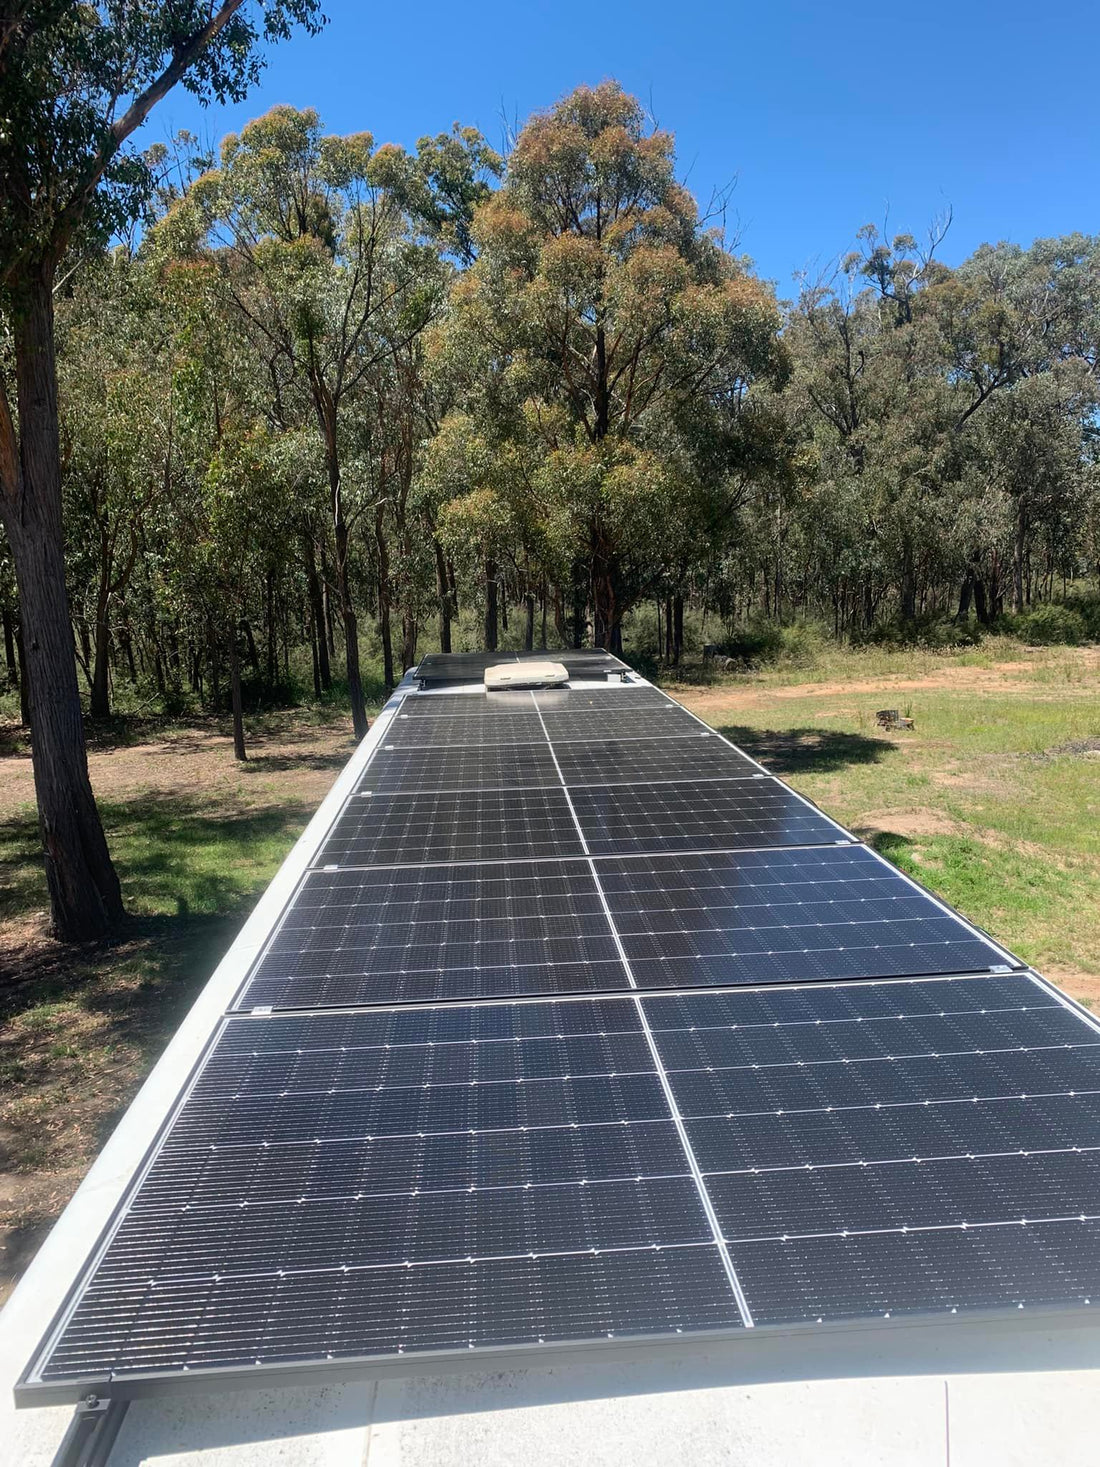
[583, 1027]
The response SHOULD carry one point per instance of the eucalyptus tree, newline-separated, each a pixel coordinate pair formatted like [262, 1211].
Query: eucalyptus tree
[117, 434]
[313, 251]
[76, 82]
[598, 311]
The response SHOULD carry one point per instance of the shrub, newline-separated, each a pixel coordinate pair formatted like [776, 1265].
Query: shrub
[1049, 625]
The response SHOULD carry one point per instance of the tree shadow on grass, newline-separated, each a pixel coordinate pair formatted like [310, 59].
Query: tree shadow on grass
[189, 876]
[285, 763]
[807, 750]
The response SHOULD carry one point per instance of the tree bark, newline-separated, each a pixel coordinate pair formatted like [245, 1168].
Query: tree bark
[9, 645]
[24, 681]
[580, 604]
[490, 605]
[343, 576]
[384, 624]
[85, 897]
[677, 628]
[1019, 556]
[443, 591]
[317, 614]
[239, 750]
[270, 640]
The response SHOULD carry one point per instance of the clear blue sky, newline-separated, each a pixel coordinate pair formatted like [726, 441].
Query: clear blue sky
[826, 114]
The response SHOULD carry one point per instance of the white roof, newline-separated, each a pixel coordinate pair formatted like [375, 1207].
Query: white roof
[964, 1394]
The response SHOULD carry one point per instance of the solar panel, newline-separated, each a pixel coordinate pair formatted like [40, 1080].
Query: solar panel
[408, 770]
[391, 830]
[580, 1027]
[877, 1132]
[414, 934]
[648, 761]
[656, 721]
[697, 815]
[449, 730]
[782, 915]
[427, 1174]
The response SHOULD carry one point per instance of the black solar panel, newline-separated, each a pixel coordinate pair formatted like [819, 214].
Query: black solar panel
[644, 761]
[408, 1139]
[371, 1152]
[405, 770]
[782, 915]
[663, 720]
[405, 934]
[464, 730]
[893, 1125]
[391, 830]
[699, 815]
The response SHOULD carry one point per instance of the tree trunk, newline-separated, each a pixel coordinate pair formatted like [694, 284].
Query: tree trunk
[384, 625]
[963, 613]
[529, 621]
[314, 632]
[24, 681]
[9, 645]
[317, 614]
[250, 644]
[410, 633]
[908, 596]
[328, 620]
[677, 628]
[490, 605]
[239, 751]
[580, 604]
[668, 628]
[85, 898]
[1019, 555]
[99, 702]
[271, 648]
[343, 580]
[443, 591]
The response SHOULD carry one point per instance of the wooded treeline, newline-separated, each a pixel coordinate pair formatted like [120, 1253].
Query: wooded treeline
[335, 388]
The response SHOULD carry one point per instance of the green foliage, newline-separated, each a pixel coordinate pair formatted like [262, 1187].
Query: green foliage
[77, 79]
[1050, 625]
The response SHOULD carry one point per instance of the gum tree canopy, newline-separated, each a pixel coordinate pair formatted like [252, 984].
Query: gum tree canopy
[610, 340]
[76, 81]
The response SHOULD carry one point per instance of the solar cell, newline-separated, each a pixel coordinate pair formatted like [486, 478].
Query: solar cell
[464, 729]
[697, 815]
[642, 761]
[664, 720]
[431, 705]
[779, 916]
[402, 770]
[390, 830]
[422, 933]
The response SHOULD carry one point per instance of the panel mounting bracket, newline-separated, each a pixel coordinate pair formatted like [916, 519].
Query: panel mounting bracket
[92, 1432]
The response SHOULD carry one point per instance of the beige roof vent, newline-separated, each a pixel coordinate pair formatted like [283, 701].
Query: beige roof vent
[525, 675]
